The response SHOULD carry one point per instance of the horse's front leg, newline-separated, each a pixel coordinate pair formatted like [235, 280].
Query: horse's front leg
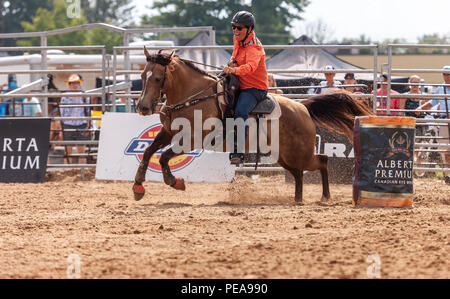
[161, 140]
[169, 179]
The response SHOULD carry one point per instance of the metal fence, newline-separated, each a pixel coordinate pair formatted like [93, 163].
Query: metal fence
[426, 144]
[123, 89]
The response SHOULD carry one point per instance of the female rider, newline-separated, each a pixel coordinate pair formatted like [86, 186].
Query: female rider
[248, 64]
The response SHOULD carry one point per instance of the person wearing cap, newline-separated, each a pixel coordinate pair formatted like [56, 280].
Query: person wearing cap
[329, 84]
[32, 106]
[349, 79]
[382, 101]
[78, 125]
[442, 105]
[248, 64]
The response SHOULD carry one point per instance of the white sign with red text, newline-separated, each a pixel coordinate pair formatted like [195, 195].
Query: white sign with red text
[125, 136]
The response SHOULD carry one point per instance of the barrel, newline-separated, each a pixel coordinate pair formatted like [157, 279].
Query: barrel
[384, 158]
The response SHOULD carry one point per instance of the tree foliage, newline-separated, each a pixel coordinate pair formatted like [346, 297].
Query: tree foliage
[273, 17]
[119, 12]
[46, 20]
[13, 12]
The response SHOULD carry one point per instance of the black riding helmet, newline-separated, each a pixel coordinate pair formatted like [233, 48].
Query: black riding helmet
[244, 18]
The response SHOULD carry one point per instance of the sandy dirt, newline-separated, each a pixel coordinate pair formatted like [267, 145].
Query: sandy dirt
[246, 229]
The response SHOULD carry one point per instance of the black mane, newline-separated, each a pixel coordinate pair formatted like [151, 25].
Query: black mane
[159, 59]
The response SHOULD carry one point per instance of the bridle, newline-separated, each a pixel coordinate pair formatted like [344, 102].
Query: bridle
[191, 100]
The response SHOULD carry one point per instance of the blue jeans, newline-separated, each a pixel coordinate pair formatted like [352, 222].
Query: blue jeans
[245, 104]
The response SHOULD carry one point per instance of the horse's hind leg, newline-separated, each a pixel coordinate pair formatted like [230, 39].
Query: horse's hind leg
[161, 140]
[298, 176]
[323, 166]
[169, 179]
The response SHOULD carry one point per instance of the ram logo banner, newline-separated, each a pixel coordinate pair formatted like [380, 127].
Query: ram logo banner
[138, 145]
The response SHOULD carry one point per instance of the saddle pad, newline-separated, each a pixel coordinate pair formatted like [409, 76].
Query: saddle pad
[266, 106]
[276, 111]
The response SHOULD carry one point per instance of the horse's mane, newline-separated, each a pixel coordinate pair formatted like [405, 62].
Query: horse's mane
[166, 59]
[195, 68]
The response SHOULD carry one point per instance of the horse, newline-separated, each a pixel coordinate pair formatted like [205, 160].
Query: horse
[180, 80]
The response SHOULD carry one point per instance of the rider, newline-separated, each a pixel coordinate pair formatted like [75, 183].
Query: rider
[248, 64]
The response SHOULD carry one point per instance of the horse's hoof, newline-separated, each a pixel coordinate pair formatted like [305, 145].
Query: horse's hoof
[179, 184]
[299, 202]
[325, 199]
[139, 192]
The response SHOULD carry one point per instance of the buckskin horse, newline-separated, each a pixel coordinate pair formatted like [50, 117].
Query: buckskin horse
[181, 81]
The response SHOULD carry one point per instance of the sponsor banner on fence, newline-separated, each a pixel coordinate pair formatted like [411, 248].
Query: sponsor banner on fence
[24, 145]
[341, 158]
[125, 136]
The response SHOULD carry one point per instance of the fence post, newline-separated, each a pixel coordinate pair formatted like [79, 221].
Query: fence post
[44, 102]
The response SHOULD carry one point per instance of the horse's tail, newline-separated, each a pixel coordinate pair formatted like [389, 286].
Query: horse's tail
[336, 111]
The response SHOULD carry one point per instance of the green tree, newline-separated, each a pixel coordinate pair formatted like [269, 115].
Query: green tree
[118, 12]
[434, 38]
[273, 17]
[383, 46]
[13, 12]
[46, 20]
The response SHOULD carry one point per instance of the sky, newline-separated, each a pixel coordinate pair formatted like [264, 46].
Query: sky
[376, 19]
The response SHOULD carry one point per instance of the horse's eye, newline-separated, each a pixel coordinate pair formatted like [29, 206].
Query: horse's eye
[158, 79]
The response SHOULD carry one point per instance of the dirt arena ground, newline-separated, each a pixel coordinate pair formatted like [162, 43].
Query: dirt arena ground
[246, 229]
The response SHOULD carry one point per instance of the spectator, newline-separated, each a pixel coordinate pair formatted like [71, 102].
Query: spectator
[2, 105]
[14, 106]
[122, 102]
[75, 82]
[329, 84]
[444, 106]
[32, 107]
[441, 103]
[349, 79]
[273, 83]
[413, 103]
[382, 102]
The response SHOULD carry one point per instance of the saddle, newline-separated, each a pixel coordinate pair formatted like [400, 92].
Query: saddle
[231, 88]
[265, 106]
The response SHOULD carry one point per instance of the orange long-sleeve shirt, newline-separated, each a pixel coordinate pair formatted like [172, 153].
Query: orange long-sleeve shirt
[251, 65]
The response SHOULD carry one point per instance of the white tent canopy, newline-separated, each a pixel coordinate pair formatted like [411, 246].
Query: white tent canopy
[203, 56]
[304, 59]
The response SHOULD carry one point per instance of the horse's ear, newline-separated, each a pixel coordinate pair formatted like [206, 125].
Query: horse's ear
[147, 54]
[172, 54]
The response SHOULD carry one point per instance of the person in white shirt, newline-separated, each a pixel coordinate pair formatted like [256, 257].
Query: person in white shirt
[329, 84]
[31, 107]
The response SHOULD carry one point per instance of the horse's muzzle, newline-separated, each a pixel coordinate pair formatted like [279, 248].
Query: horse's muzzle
[144, 111]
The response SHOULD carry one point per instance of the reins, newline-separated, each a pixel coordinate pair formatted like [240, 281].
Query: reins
[191, 101]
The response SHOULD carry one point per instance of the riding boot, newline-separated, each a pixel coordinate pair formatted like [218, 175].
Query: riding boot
[235, 157]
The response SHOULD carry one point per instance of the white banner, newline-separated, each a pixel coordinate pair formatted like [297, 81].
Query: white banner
[123, 139]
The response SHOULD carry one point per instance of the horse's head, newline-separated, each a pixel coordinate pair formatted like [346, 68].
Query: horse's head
[153, 81]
